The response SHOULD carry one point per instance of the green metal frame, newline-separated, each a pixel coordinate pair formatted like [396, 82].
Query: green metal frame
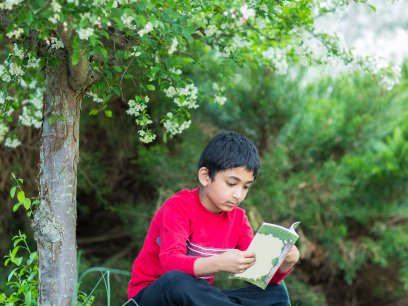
[287, 292]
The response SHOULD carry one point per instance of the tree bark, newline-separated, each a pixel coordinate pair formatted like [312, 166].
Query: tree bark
[54, 222]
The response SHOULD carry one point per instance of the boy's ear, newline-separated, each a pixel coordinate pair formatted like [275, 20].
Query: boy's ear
[203, 176]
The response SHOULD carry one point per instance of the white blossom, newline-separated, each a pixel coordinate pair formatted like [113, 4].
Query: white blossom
[84, 34]
[135, 109]
[278, 59]
[33, 62]
[2, 97]
[12, 142]
[18, 52]
[16, 70]
[4, 74]
[147, 29]
[29, 118]
[220, 100]
[173, 127]
[128, 20]
[183, 97]
[173, 46]
[95, 97]
[16, 33]
[246, 12]
[264, 8]
[134, 52]
[175, 71]
[56, 7]
[170, 92]
[56, 43]
[146, 137]
[8, 4]
[31, 114]
[211, 30]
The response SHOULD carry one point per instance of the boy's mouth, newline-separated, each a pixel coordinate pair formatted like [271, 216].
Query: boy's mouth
[232, 203]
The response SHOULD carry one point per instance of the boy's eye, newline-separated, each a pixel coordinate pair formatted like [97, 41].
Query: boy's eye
[247, 187]
[230, 184]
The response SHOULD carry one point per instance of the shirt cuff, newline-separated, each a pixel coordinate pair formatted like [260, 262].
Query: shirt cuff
[279, 276]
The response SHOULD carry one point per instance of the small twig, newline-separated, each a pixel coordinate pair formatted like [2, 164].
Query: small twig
[121, 254]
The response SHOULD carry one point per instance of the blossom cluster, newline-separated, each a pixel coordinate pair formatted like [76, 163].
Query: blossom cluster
[173, 46]
[278, 59]
[9, 4]
[138, 109]
[175, 125]
[389, 76]
[84, 34]
[219, 97]
[15, 33]
[183, 97]
[31, 114]
[56, 9]
[13, 68]
[147, 29]
[128, 21]
[10, 141]
[95, 97]
[55, 43]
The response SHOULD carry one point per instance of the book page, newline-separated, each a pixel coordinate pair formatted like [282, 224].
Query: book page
[270, 244]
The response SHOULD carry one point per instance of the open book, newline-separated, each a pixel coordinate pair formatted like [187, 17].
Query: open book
[271, 244]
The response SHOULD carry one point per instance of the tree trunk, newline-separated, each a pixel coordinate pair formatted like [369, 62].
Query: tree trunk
[55, 219]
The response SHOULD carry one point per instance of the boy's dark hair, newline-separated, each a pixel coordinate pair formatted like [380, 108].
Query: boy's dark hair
[229, 150]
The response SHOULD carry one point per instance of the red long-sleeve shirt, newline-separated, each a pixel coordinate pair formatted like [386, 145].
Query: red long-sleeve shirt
[184, 230]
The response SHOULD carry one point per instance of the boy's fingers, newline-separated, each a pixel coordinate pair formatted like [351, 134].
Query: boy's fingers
[249, 254]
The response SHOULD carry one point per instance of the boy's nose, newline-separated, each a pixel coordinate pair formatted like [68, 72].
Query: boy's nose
[237, 194]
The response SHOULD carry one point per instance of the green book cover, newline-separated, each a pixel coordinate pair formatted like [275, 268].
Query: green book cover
[271, 244]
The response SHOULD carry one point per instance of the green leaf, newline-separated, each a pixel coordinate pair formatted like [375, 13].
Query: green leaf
[11, 274]
[93, 112]
[104, 33]
[108, 113]
[151, 87]
[117, 68]
[92, 41]
[13, 253]
[13, 192]
[33, 257]
[116, 90]
[102, 51]
[29, 17]
[35, 202]
[128, 76]
[16, 206]
[21, 196]
[27, 298]
[76, 46]
[18, 261]
[27, 203]
[372, 7]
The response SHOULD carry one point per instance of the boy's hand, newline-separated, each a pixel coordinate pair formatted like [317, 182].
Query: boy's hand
[235, 261]
[290, 260]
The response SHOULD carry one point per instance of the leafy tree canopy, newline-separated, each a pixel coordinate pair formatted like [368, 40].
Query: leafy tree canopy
[113, 45]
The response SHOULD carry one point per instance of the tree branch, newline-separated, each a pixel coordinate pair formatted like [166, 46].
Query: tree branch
[80, 75]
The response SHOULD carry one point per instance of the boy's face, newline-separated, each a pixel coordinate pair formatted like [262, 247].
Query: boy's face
[228, 189]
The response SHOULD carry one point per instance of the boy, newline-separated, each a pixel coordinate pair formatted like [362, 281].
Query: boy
[198, 233]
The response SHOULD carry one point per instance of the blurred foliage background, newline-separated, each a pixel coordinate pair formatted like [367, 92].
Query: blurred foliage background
[334, 156]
